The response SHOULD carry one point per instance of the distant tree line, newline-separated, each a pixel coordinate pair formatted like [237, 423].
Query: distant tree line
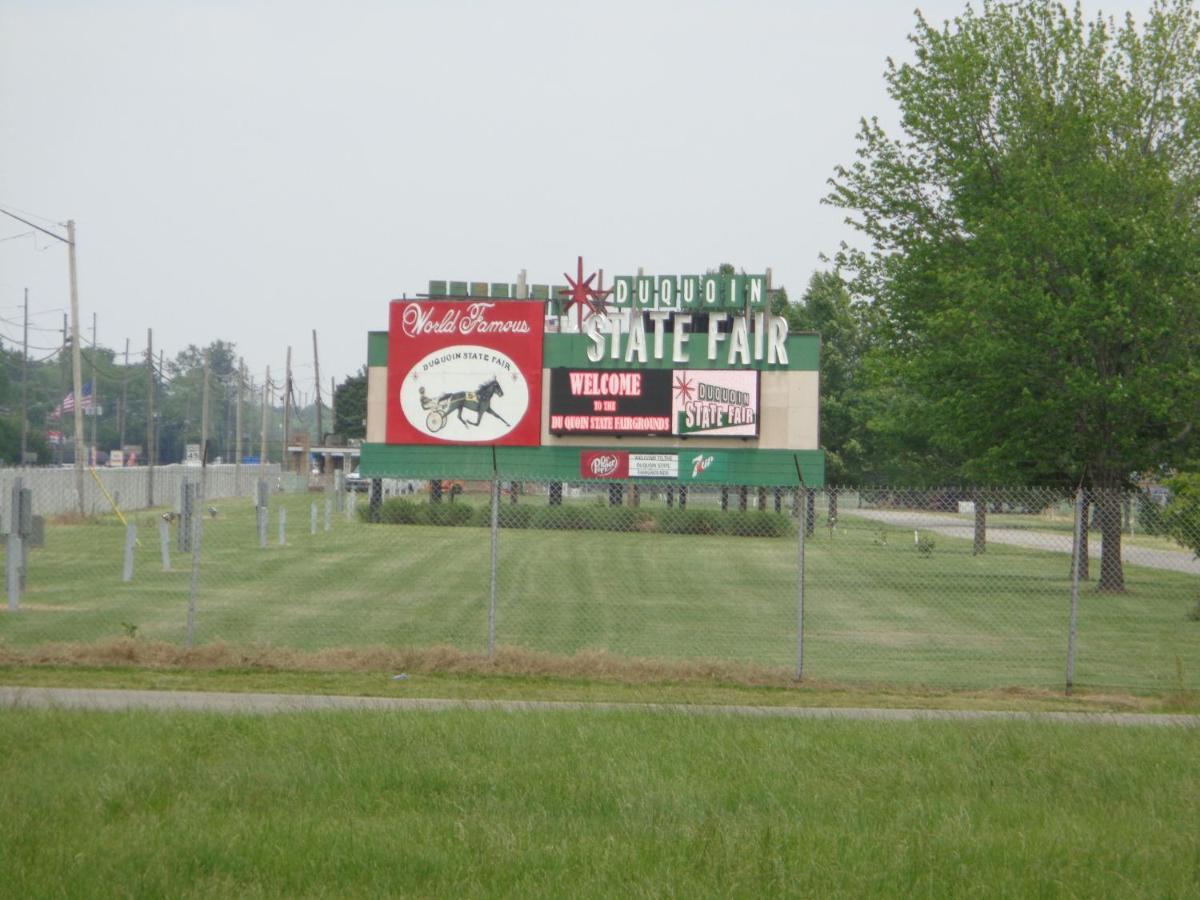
[122, 394]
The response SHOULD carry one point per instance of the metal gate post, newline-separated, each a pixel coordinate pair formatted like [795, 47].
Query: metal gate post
[1076, 548]
[800, 596]
[492, 585]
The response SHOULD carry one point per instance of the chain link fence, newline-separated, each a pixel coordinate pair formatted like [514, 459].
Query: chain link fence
[952, 587]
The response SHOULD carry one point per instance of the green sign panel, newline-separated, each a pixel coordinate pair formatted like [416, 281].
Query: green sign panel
[704, 466]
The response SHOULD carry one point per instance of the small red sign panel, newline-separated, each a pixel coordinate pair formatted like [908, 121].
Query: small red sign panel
[604, 464]
[465, 372]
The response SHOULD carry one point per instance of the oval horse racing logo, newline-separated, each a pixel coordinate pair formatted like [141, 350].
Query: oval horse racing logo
[465, 393]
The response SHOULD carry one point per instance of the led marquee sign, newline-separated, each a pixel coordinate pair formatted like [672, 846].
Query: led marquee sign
[708, 402]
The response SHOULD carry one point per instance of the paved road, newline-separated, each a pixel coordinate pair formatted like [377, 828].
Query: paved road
[204, 701]
[1175, 561]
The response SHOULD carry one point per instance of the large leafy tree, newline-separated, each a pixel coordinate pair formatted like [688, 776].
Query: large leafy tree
[846, 334]
[1034, 244]
[351, 405]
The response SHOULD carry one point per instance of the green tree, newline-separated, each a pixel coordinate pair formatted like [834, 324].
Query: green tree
[351, 405]
[844, 326]
[181, 402]
[1034, 249]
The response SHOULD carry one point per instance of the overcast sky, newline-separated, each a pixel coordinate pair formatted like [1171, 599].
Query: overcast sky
[251, 171]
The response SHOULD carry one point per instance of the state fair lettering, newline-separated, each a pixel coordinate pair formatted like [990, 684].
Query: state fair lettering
[417, 321]
[766, 342]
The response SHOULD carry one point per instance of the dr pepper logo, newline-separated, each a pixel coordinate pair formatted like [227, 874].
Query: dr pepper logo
[604, 464]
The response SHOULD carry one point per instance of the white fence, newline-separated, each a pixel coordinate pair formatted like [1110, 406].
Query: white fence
[55, 491]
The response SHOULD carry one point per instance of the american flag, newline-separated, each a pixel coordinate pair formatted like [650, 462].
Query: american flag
[68, 402]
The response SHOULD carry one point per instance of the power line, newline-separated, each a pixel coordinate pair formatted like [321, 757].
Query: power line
[32, 225]
[31, 215]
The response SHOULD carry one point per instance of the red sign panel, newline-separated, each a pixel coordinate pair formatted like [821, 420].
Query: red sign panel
[465, 372]
[604, 464]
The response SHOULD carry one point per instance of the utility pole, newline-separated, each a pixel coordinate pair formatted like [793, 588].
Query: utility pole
[25, 384]
[317, 379]
[287, 410]
[76, 367]
[237, 440]
[62, 428]
[262, 440]
[124, 397]
[332, 403]
[95, 395]
[196, 525]
[151, 449]
[204, 428]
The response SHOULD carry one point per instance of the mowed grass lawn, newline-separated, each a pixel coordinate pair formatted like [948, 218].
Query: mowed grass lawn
[876, 609]
[590, 804]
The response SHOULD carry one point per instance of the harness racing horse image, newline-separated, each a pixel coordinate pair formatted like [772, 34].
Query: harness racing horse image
[478, 401]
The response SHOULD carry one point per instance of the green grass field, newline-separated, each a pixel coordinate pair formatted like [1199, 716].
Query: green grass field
[876, 610]
[590, 804]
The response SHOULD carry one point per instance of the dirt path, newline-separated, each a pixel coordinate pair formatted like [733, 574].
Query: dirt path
[1175, 561]
[204, 701]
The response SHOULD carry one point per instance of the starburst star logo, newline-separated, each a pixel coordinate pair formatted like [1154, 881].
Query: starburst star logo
[684, 388]
[582, 294]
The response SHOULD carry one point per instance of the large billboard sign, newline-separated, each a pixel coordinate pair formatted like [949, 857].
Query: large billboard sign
[681, 402]
[464, 373]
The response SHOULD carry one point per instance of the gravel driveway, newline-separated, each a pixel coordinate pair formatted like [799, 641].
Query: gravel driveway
[939, 523]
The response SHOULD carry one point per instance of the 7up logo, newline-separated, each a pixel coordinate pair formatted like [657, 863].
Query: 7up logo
[700, 463]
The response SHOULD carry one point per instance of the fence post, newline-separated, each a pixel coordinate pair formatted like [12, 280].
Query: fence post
[979, 544]
[25, 531]
[800, 595]
[1076, 547]
[351, 502]
[282, 526]
[328, 512]
[262, 498]
[195, 527]
[492, 584]
[12, 561]
[375, 500]
[130, 540]
[164, 541]
[187, 497]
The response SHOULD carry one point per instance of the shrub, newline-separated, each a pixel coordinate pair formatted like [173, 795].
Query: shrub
[558, 517]
[1181, 518]
[674, 521]
[512, 515]
[398, 511]
[1149, 514]
[690, 521]
[403, 511]
[450, 514]
[754, 524]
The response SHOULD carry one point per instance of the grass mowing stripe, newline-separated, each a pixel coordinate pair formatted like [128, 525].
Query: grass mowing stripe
[877, 611]
[586, 804]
